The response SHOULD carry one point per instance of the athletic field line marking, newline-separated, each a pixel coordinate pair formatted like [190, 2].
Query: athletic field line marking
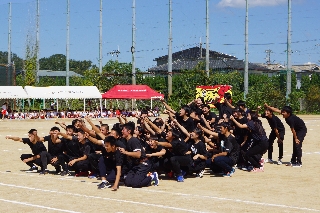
[230, 199]
[37, 206]
[103, 198]
[189, 195]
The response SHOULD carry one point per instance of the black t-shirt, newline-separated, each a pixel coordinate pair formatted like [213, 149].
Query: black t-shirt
[71, 147]
[150, 150]
[223, 109]
[232, 148]
[187, 124]
[54, 149]
[119, 143]
[296, 123]
[197, 148]
[143, 142]
[257, 132]
[85, 148]
[35, 148]
[196, 109]
[179, 147]
[117, 158]
[210, 115]
[133, 145]
[274, 122]
[238, 132]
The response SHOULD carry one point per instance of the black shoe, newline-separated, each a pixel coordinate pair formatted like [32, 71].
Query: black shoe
[65, 173]
[103, 185]
[33, 169]
[58, 170]
[44, 172]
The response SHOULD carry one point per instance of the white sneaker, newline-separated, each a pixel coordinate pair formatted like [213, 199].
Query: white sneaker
[279, 162]
[269, 160]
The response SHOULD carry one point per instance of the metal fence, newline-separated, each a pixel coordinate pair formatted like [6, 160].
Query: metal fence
[7, 76]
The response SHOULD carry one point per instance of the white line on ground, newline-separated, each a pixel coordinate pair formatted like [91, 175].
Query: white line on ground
[182, 194]
[37, 206]
[234, 200]
[103, 198]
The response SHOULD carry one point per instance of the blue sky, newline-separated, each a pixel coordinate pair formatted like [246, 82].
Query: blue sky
[267, 28]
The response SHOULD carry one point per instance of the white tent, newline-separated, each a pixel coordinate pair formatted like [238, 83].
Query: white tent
[12, 92]
[63, 92]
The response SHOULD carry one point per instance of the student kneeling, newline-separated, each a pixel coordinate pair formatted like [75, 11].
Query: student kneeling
[230, 153]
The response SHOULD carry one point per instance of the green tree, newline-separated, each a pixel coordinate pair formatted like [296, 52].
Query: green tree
[30, 67]
[14, 58]
[57, 62]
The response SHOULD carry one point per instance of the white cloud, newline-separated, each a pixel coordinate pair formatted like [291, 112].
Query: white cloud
[252, 3]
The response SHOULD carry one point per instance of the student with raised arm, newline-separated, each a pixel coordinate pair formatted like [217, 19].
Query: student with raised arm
[110, 164]
[223, 108]
[36, 146]
[260, 141]
[79, 161]
[62, 124]
[137, 161]
[155, 153]
[183, 130]
[55, 151]
[179, 150]
[197, 149]
[230, 150]
[298, 129]
[277, 131]
[183, 116]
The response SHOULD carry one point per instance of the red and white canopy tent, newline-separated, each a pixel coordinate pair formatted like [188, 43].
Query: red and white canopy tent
[132, 92]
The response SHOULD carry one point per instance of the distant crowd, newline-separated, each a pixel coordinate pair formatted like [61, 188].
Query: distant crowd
[8, 113]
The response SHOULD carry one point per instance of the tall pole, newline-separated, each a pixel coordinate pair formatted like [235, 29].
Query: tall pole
[207, 38]
[9, 36]
[133, 103]
[133, 41]
[170, 51]
[246, 60]
[68, 44]
[38, 36]
[289, 52]
[100, 39]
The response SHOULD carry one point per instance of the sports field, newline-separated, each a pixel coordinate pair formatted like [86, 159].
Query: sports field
[278, 189]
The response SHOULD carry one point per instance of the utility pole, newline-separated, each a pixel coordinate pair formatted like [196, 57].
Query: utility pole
[246, 62]
[9, 36]
[68, 44]
[100, 39]
[38, 36]
[289, 52]
[268, 56]
[207, 38]
[170, 51]
[133, 42]
[115, 52]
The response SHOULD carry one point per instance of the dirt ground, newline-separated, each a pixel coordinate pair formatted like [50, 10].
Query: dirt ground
[278, 189]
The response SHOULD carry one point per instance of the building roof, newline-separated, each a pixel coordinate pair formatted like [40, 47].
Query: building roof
[51, 73]
[195, 53]
[213, 64]
[296, 68]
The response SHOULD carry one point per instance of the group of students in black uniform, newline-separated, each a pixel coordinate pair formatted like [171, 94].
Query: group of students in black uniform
[184, 145]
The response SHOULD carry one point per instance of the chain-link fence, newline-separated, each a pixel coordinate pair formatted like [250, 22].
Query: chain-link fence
[7, 76]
